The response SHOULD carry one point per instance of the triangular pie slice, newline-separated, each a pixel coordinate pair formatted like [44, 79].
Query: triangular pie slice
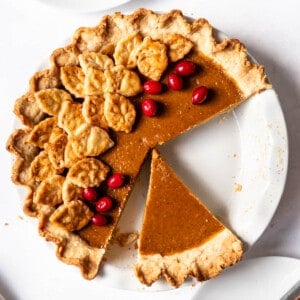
[180, 237]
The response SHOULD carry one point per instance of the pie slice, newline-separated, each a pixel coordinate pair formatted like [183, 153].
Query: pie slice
[109, 63]
[180, 237]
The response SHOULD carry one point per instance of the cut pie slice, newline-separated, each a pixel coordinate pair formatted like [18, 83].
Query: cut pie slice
[180, 237]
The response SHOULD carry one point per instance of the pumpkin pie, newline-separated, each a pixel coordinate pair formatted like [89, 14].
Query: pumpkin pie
[83, 121]
[180, 237]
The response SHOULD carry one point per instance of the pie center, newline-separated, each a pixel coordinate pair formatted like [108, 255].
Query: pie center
[177, 114]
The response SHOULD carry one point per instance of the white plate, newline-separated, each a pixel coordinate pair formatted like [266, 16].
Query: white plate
[254, 279]
[237, 165]
[83, 6]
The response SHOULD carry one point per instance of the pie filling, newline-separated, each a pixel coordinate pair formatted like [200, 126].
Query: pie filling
[175, 220]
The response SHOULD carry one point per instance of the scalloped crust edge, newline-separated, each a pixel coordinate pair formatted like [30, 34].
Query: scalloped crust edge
[71, 249]
[231, 54]
[205, 262]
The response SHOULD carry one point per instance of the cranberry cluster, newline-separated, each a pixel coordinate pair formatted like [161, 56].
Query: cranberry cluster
[105, 203]
[175, 82]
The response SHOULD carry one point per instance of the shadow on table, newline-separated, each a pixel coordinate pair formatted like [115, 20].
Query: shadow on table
[5, 290]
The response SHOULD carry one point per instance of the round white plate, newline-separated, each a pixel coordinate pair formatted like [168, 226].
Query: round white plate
[236, 164]
[83, 6]
[254, 279]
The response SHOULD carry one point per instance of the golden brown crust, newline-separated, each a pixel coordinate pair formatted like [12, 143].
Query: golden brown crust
[178, 46]
[72, 215]
[72, 78]
[88, 172]
[28, 111]
[126, 50]
[41, 167]
[70, 116]
[71, 249]
[20, 173]
[93, 111]
[49, 191]
[90, 140]
[50, 100]
[18, 144]
[41, 132]
[119, 112]
[71, 192]
[152, 58]
[56, 151]
[67, 56]
[25, 153]
[31, 208]
[203, 263]
[46, 79]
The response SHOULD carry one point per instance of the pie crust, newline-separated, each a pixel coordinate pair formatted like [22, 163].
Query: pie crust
[79, 69]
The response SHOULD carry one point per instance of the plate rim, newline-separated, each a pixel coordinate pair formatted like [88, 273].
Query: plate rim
[90, 6]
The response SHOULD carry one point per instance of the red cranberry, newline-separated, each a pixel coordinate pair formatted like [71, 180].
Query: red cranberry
[175, 82]
[185, 68]
[149, 107]
[104, 204]
[115, 181]
[89, 194]
[199, 95]
[99, 220]
[152, 87]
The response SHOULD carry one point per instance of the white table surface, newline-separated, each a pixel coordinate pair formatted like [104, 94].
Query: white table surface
[29, 33]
